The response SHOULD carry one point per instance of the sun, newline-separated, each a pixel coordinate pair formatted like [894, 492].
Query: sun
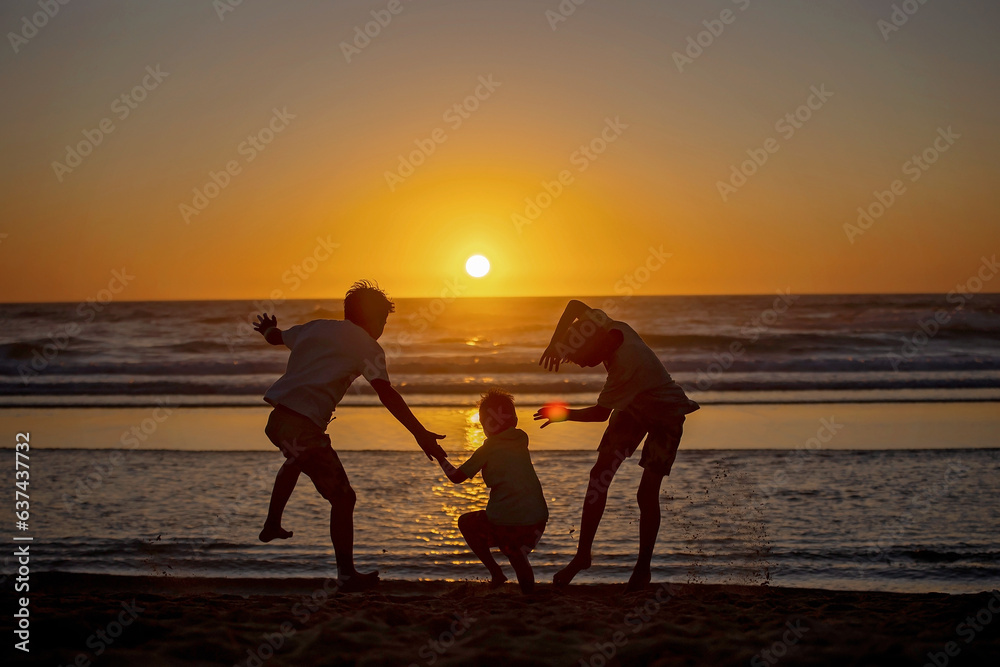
[477, 266]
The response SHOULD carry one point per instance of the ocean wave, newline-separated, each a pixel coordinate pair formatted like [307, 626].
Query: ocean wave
[883, 341]
[206, 347]
[54, 351]
[16, 351]
[176, 360]
[821, 342]
[206, 543]
[249, 385]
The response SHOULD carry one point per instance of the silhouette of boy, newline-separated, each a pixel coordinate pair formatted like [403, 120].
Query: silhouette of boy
[326, 357]
[641, 400]
[515, 516]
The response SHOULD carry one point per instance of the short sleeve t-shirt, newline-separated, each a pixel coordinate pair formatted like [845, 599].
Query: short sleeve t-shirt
[635, 369]
[326, 357]
[516, 497]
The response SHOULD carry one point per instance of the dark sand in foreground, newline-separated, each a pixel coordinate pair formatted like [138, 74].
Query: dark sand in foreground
[236, 621]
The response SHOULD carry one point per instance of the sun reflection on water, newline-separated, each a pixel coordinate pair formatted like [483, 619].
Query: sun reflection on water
[469, 496]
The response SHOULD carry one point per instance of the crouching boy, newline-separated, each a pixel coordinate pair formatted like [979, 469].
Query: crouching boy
[515, 515]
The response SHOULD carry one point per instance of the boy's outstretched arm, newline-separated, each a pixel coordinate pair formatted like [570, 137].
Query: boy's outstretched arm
[553, 414]
[453, 473]
[398, 408]
[550, 357]
[268, 328]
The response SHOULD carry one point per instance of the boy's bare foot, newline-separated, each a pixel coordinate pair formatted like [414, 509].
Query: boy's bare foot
[358, 582]
[498, 580]
[639, 580]
[565, 575]
[269, 533]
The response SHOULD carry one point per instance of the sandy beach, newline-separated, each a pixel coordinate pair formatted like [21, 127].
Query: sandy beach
[109, 620]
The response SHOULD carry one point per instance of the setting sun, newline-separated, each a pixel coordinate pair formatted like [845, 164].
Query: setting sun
[477, 266]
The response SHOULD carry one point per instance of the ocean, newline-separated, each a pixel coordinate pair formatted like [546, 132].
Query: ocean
[854, 520]
[906, 497]
[781, 348]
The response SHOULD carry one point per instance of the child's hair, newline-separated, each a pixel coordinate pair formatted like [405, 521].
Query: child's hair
[365, 302]
[496, 410]
[583, 341]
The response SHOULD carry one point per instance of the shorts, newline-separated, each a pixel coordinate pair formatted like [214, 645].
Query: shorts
[509, 539]
[308, 446]
[629, 426]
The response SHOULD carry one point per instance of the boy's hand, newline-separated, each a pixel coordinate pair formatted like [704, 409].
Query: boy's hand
[550, 359]
[552, 412]
[264, 322]
[428, 443]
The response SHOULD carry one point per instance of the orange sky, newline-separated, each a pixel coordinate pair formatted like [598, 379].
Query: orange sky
[669, 138]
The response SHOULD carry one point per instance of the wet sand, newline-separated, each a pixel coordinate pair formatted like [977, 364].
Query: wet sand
[753, 426]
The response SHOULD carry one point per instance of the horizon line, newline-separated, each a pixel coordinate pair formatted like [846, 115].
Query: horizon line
[514, 296]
